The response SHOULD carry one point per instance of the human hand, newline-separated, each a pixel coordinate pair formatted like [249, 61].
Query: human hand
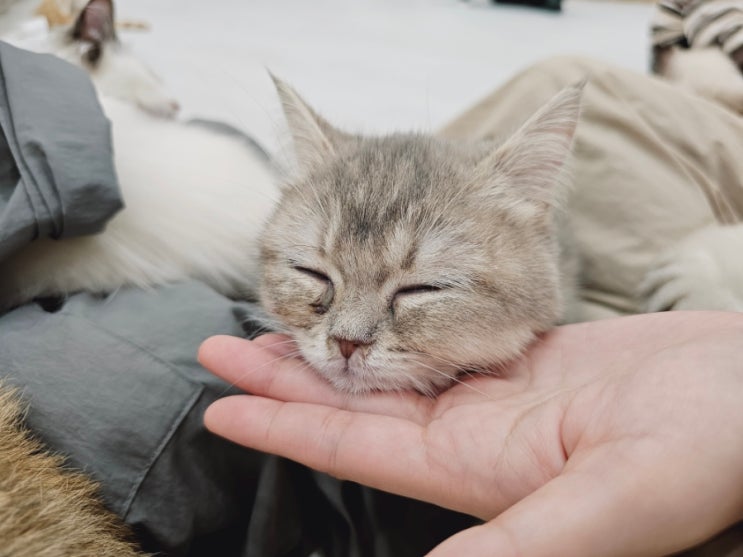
[618, 437]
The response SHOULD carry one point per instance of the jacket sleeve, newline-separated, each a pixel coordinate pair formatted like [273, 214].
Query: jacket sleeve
[57, 176]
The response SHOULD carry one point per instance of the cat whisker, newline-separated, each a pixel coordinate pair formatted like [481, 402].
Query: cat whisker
[427, 355]
[470, 372]
[111, 295]
[262, 323]
[456, 380]
[254, 333]
[234, 383]
[257, 327]
[269, 114]
[281, 343]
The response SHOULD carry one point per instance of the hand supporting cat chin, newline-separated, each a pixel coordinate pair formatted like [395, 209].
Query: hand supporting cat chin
[589, 434]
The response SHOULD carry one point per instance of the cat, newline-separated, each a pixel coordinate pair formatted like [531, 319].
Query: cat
[195, 201]
[395, 262]
[708, 72]
[91, 43]
[46, 509]
[196, 195]
[398, 262]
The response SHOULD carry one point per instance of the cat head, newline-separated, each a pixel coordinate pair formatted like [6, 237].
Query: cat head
[91, 42]
[398, 262]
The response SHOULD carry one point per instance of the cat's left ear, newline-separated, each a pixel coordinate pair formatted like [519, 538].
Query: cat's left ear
[531, 161]
[315, 140]
[95, 25]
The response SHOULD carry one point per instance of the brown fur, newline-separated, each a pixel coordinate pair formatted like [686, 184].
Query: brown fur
[45, 509]
[56, 12]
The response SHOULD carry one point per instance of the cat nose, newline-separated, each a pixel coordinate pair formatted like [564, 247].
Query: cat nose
[349, 346]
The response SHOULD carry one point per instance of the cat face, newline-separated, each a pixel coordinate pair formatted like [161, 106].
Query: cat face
[399, 262]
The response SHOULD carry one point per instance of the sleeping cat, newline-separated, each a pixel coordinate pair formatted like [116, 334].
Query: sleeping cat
[398, 262]
[91, 43]
[395, 262]
[195, 203]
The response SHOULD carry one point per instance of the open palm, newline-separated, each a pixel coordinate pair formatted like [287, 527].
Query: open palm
[620, 437]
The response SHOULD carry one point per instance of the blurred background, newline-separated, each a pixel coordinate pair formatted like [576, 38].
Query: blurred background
[367, 65]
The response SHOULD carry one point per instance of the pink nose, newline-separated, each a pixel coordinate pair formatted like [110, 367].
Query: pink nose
[348, 346]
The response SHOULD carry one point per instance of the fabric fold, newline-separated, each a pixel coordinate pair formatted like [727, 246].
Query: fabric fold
[57, 176]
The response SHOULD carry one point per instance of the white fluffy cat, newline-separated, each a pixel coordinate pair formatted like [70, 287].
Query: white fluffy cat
[92, 44]
[195, 198]
[195, 202]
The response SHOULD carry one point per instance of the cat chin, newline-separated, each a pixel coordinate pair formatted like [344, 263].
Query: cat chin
[365, 381]
[362, 376]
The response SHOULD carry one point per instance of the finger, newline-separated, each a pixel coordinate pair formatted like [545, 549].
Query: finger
[281, 345]
[259, 370]
[581, 514]
[263, 367]
[236, 359]
[379, 451]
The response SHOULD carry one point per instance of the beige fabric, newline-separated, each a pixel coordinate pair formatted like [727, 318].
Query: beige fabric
[652, 164]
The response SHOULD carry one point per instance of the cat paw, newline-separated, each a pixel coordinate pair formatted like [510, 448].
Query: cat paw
[163, 107]
[702, 272]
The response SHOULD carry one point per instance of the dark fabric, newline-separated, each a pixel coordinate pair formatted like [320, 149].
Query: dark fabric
[114, 384]
[56, 171]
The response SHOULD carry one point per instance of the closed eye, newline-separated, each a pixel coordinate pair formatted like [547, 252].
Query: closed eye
[416, 289]
[313, 273]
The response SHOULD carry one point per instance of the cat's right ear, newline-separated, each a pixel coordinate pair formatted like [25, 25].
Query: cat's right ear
[95, 25]
[315, 140]
[530, 162]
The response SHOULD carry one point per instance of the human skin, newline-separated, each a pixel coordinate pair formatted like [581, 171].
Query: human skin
[615, 438]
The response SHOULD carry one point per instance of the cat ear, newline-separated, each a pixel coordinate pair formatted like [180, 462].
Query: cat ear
[95, 25]
[315, 140]
[531, 161]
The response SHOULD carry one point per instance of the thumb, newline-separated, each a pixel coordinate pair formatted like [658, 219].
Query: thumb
[581, 514]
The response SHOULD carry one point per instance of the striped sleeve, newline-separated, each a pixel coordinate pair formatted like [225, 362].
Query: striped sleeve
[715, 23]
[698, 23]
[667, 25]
